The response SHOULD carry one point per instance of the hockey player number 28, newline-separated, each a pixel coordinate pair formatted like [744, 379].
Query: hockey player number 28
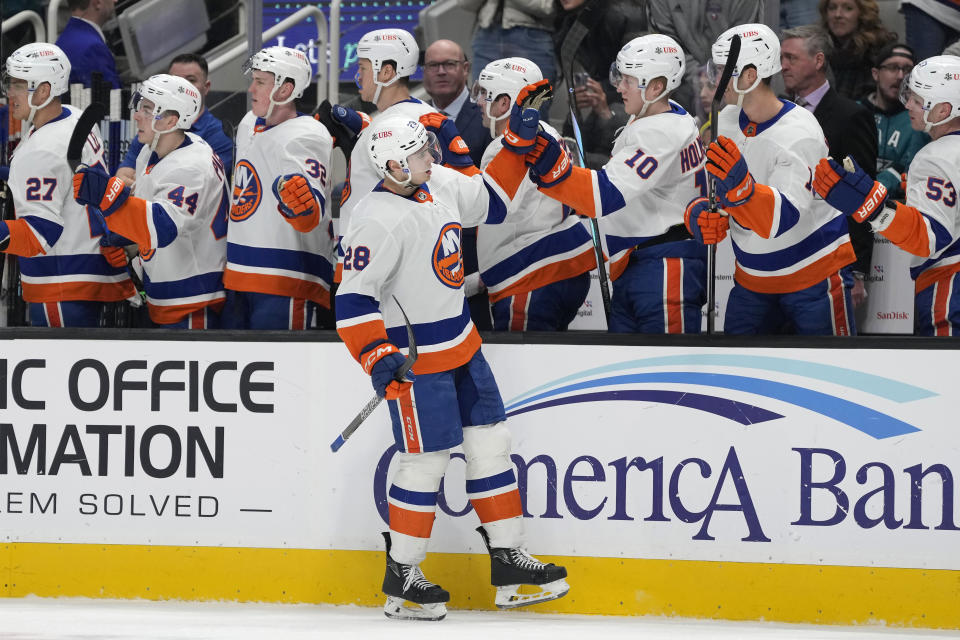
[356, 259]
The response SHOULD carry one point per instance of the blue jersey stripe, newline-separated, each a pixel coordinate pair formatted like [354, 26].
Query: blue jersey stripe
[481, 485]
[192, 286]
[355, 305]
[788, 256]
[419, 498]
[287, 259]
[87, 263]
[430, 332]
[554, 244]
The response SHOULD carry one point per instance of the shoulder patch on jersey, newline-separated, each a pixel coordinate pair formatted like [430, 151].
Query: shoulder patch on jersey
[247, 191]
[447, 257]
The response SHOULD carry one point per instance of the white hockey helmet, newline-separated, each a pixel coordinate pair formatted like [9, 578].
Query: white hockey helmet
[285, 63]
[398, 138]
[647, 58]
[396, 45]
[37, 63]
[931, 82]
[506, 76]
[759, 48]
[169, 93]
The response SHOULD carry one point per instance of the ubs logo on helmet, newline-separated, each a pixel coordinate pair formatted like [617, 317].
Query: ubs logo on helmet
[447, 258]
[247, 191]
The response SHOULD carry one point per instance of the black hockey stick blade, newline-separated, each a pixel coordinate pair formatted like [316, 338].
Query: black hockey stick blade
[375, 401]
[90, 117]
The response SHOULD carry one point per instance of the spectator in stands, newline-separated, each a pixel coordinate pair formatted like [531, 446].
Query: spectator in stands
[192, 68]
[796, 13]
[507, 28]
[858, 36]
[897, 142]
[695, 25]
[445, 73]
[931, 25]
[587, 36]
[705, 98]
[83, 42]
[847, 126]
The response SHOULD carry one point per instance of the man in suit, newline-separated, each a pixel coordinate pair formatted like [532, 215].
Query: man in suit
[848, 126]
[445, 73]
[83, 42]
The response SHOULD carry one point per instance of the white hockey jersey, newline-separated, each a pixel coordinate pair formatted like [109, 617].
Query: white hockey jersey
[57, 239]
[541, 243]
[362, 174]
[808, 238]
[186, 195]
[267, 252]
[407, 250]
[655, 170]
[932, 184]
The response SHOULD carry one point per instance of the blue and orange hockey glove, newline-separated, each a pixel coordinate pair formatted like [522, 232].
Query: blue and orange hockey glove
[455, 151]
[735, 184]
[853, 192]
[381, 362]
[294, 196]
[707, 227]
[93, 187]
[520, 135]
[549, 161]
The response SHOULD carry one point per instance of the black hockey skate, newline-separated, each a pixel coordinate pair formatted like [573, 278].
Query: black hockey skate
[511, 569]
[405, 583]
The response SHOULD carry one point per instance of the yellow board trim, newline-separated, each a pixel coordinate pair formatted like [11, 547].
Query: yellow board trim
[723, 590]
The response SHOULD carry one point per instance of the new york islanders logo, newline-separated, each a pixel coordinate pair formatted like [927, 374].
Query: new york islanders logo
[447, 258]
[247, 191]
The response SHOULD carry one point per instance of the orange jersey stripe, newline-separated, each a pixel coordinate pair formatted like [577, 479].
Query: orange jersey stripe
[417, 524]
[276, 285]
[908, 230]
[508, 170]
[358, 336]
[91, 291]
[163, 314]
[518, 312]
[499, 507]
[576, 191]
[130, 221]
[805, 277]
[756, 213]
[53, 314]
[554, 272]
[435, 362]
[838, 301]
[410, 424]
[23, 241]
[930, 276]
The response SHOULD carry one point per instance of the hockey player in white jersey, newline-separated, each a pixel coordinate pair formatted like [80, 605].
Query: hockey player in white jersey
[658, 270]
[385, 60]
[792, 251]
[66, 277]
[279, 241]
[177, 212]
[535, 265]
[928, 224]
[403, 248]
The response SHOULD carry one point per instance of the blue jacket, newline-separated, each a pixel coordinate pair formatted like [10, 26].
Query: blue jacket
[87, 53]
[470, 125]
[207, 127]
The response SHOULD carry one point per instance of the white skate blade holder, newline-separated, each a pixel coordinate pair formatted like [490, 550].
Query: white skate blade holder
[399, 609]
[509, 597]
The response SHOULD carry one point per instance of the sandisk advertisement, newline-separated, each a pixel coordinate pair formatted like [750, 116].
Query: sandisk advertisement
[807, 456]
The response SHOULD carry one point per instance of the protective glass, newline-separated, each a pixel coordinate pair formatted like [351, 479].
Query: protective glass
[479, 94]
[714, 71]
[138, 103]
[9, 83]
[248, 67]
[356, 79]
[615, 76]
[908, 96]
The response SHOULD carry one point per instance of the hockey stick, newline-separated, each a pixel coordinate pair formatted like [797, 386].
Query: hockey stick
[714, 109]
[594, 225]
[90, 117]
[399, 375]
